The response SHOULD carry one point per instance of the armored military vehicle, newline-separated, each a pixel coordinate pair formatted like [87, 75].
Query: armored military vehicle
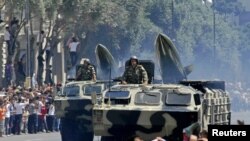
[159, 109]
[74, 108]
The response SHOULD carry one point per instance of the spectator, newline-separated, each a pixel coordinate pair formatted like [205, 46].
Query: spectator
[158, 139]
[72, 49]
[193, 138]
[40, 38]
[203, 136]
[51, 116]
[34, 81]
[19, 114]
[25, 120]
[7, 118]
[48, 76]
[12, 114]
[2, 116]
[33, 117]
[42, 118]
[14, 25]
[40, 69]
[48, 53]
[70, 39]
[135, 138]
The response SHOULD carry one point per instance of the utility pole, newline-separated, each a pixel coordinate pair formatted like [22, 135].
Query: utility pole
[172, 17]
[28, 59]
[214, 38]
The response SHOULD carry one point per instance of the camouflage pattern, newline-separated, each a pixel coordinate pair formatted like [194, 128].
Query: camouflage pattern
[135, 75]
[74, 108]
[158, 110]
[85, 73]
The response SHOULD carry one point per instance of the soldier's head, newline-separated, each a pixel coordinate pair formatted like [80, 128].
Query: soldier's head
[85, 61]
[133, 60]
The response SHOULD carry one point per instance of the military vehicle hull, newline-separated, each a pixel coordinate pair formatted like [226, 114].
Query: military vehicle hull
[74, 108]
[76, 118]
[74, 129]
[147, 124]
[160, 109]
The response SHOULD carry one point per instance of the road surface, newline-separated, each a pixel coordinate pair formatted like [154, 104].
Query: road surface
[55, 136]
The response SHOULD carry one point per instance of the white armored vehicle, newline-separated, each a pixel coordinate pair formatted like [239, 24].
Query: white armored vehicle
[74, 108]
[159, 109]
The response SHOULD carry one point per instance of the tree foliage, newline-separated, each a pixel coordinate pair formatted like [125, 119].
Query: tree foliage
[229, 6]
[200, 31]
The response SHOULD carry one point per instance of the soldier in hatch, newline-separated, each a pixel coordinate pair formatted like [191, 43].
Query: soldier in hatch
[86, 71]
[135, 73]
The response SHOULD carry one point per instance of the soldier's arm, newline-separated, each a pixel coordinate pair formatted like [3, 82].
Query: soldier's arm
[94, 77]
[144, 75]
[78, 74]
[124, 76]
[93, 74]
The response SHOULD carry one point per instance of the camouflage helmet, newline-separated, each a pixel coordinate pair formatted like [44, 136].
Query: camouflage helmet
[85, 59]
[134, 58]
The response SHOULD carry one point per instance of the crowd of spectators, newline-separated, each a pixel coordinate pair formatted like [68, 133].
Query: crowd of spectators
[27, 110]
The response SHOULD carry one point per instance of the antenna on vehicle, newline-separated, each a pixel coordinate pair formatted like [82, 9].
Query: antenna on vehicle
[161, 76]
[94, 98]
[109, 77]
[109, 101]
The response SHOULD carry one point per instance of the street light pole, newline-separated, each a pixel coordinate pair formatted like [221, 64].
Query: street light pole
[172, 16]
[214, 36]
[28, 59]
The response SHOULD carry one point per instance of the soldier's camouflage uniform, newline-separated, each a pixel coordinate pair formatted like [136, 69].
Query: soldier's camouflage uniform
[85, 73]
[135, 75]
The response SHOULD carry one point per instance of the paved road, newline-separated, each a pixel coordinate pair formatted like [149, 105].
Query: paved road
[56, 135]
[34, 137]
[37, 137]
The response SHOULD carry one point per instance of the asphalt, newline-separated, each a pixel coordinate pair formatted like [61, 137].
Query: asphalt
[55, 136]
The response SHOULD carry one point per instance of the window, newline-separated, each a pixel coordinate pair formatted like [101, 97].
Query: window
[178, 99]
[117, 97]
[71, 91]
[148, 98]
[117, 94]
[89, 89]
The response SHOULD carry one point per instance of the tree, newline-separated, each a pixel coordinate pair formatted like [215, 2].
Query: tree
[204, 34]
[225, 7]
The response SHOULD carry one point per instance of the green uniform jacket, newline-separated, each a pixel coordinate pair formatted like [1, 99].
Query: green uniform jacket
[85, 73]
[135, 75]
